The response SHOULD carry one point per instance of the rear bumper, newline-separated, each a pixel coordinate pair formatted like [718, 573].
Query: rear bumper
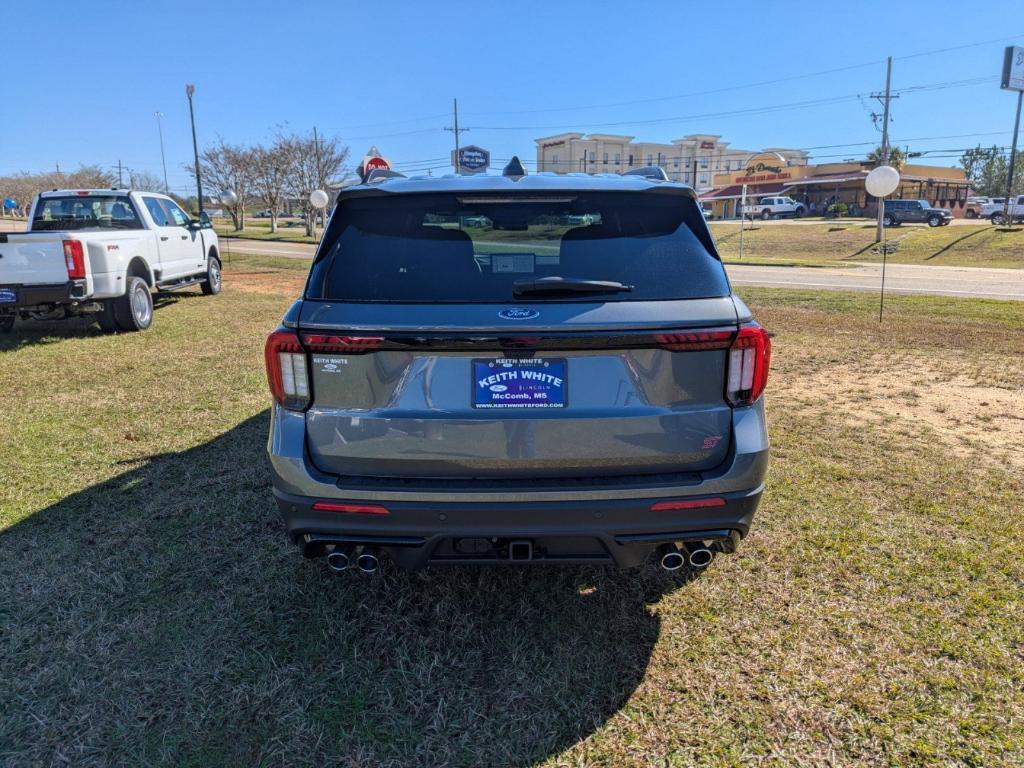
[45, 294]
[596, 520]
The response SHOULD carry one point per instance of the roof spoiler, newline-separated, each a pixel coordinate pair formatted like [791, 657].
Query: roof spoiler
[380, 174]
[652, 172]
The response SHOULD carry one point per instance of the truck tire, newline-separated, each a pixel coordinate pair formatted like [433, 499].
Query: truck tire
[934, 221]
[971, 214]
[7, 323]
[799, 212]
[998, 219]
[134, 310]
[766, 214]
[212, 284]
[888, 220]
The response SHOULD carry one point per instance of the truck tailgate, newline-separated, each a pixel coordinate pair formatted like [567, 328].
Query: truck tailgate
[29, 258]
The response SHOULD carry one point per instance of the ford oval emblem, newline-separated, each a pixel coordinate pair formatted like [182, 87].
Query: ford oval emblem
[518, 313]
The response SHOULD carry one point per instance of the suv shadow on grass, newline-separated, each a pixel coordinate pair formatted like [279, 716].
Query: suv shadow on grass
[161, 617]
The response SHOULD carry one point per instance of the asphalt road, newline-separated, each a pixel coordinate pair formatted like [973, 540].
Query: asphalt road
[976, 282]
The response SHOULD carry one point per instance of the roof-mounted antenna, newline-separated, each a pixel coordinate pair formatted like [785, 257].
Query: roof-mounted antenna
[514, 169]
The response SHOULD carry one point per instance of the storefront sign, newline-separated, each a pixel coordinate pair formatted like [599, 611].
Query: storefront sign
[707, 145]
[768, 166]
[552, 144]
[472, 159]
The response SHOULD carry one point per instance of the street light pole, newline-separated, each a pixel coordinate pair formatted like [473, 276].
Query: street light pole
[163, 158]
[189, 90]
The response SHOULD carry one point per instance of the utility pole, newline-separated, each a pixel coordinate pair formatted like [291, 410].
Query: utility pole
[456, 130]
[885, 99]
[120, 179]
[163, 159]
[189, 90]
[319, 178]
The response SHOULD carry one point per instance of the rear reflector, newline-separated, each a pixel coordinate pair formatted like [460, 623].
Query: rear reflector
[352, 509]
[286, 369]
[74, 259]
[345, 345]
[666, 506]
[749, 359]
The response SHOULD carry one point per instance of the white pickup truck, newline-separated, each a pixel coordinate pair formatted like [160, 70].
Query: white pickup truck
[770, 207]
[103, 252]
[996, 212]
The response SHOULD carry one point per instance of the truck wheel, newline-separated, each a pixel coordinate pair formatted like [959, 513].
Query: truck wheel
[799, 213]
[7, 323]
[998, 219]
[212, 283]
[888, 221]
[934, 221]
[971, 214]
[766, 214]
[134, 310]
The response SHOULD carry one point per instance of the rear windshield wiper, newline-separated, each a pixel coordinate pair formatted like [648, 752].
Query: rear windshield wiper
[567, 285]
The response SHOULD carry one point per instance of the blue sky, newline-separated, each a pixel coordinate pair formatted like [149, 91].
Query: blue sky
[83, 80]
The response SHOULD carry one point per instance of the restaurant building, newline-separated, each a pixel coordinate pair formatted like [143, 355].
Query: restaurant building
[818, 186]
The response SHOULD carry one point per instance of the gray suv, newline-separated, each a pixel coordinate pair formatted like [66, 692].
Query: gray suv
[543, 368]
[914, 212]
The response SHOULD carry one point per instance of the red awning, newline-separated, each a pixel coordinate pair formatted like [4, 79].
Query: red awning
[736, 191]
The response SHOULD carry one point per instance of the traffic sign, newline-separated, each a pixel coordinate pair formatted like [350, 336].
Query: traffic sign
[1013, 68]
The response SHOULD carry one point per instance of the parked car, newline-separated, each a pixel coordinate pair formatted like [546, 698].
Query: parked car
[998, 215]
[528, 392]
[975, 205]
[102, 252]
[897, 212]
[772, 207]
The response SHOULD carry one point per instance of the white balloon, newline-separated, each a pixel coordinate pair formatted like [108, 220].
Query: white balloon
[318, 198]
[228, 198]
[882, 181]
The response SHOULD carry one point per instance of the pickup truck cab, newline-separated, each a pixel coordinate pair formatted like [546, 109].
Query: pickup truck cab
[914, 212]
[770, 207]
[103, 252]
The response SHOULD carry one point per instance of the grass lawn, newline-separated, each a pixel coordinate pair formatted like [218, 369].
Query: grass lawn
[838, 242]
[152, 612]
[291, 230]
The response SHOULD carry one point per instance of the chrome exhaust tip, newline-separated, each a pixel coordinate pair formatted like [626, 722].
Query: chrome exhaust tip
[339, 560]
[671, 558]
[367, 562]
[701, 557]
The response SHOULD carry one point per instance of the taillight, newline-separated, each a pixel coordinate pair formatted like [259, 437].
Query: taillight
[286, 370]
[695, 341]
[749, 358]
[345, 345]
[350, 509]
[74, 259]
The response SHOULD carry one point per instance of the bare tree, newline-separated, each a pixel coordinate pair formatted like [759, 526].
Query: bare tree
[271, 169]
[23, 187]
[143, 181]
[229, 168]
[313, 163]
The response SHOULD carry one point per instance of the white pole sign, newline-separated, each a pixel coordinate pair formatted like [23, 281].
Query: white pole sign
[1013, 68]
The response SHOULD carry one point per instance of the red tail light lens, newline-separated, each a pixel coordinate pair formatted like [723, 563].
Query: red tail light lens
[286, 369]
[352, 509]
[74, 259]
[342, 345]
[749, 358]
[695, 341]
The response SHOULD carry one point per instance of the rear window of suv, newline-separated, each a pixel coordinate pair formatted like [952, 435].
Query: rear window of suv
[474, 248]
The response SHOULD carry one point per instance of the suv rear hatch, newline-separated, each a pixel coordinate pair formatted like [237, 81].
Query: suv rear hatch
[517, 335]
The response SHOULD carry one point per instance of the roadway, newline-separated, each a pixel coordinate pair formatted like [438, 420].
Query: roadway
[972, 282]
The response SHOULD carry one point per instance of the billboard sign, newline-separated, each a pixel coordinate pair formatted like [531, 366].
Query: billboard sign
[1013, 68]
[472, 159]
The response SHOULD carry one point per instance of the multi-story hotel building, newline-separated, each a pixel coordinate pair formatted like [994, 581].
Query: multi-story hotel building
[693, 159]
